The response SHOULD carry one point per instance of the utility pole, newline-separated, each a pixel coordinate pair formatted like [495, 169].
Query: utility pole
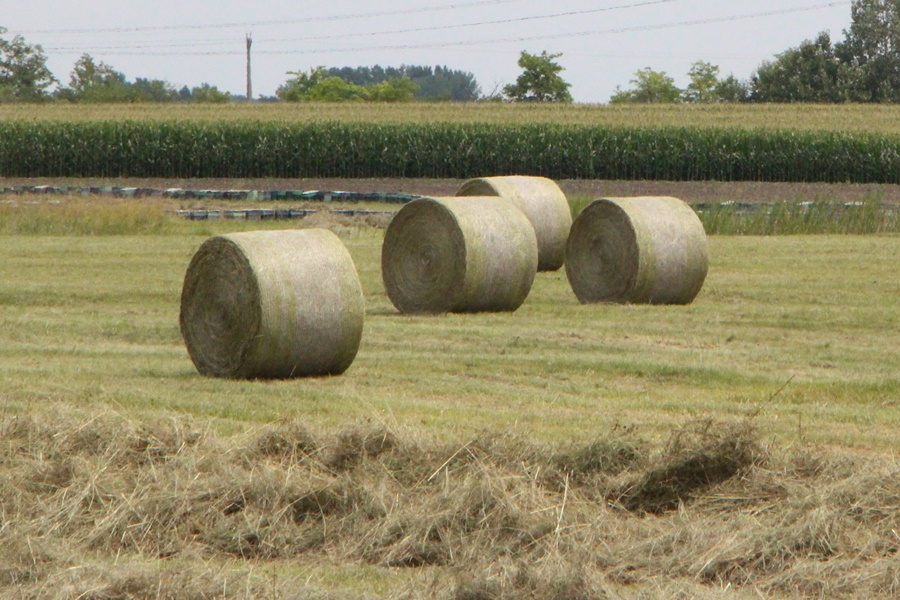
[249, 81]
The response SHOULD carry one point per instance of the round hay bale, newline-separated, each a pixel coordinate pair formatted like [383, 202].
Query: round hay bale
[637, 250]
[545, 205]
[272, 305]
[458, 255]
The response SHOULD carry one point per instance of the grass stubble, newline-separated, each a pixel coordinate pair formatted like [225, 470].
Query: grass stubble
[621, 452]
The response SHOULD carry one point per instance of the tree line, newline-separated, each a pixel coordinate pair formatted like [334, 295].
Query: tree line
[864, 67]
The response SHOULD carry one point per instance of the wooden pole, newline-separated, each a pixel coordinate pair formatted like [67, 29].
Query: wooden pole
[249, 81]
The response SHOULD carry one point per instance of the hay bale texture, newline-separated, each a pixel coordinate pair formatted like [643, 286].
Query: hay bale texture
[542, 201]
[272, 305]
[649, 250]
[459, 255]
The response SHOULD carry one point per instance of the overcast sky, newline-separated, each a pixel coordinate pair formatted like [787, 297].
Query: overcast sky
[603, 42]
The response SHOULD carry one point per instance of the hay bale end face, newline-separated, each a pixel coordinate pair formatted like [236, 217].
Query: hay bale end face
[458, 255]
[272, 305]
[650, 250]
[542, 201]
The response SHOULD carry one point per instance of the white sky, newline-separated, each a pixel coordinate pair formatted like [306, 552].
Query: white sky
[189, 42]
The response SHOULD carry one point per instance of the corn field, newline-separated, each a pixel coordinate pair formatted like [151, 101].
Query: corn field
[349, 149]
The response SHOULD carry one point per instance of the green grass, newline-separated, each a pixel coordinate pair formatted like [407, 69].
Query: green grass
[91, 321]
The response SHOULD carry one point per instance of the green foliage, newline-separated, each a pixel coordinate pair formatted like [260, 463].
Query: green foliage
[24, 75]
[318, 86]
[872, 49]
[865, 67]
[540, 80]
[649, 87]
[185, 149]
[334, 89]
[808, 73]
[704, 85]
[732, 89]
[299, 87]
[209, 94]
[392, 90]
[438, 83]
[92, 82]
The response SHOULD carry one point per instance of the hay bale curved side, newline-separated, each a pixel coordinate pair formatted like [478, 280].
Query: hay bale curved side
[542, 201]
[650, 250]
[458, 255]
[272, 305]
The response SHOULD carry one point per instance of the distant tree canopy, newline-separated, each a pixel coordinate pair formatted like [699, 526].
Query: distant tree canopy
[864, 67]
[93, 82]
[24, 75]
[319, 85]
[432, 83]
[540, 80]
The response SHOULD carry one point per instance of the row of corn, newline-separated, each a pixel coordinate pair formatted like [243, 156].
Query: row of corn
[243, 149]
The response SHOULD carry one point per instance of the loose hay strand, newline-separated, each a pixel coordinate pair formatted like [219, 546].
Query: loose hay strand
[459, 255]
[543, 203]
[648, 250]
[272, 304]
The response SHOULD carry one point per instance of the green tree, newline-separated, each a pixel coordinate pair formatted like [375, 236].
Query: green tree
[732, 89]
[399, 89]
[92, 82]
[298, 88]
[704, 83]
[154, 90]
[24, 75]
[649, 87]
[808, 73]
[872, 46]
[209, 94]
[540, 80]
[335, 89]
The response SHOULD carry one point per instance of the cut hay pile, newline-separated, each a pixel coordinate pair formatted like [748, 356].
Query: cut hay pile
[98, 506]
[542, 201]
[272, 304]
[649, 250]
[459, 255]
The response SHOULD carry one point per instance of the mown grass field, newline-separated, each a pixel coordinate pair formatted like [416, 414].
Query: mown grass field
[819, 310]
[460, 456]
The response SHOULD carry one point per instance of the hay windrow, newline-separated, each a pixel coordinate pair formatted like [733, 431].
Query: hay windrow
[272, 304]
[542, 201]
[637, 250]
[459, 255]
[480, 510]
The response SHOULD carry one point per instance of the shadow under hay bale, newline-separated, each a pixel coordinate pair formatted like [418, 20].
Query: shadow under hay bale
[469, 254]
[542, 201]
[637, 250]
[272, 305]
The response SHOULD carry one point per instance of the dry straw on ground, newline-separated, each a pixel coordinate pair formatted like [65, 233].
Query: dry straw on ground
[542, 201]
[95, 505]
[459, 255]
[637, 250]
[272, 304]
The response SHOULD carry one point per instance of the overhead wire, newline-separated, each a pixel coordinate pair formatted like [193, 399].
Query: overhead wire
[307, 19]
[505, 21]
[482, 41]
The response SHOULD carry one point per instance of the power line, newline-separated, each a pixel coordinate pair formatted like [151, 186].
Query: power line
[615, 31]
[222, 42]
[384, 13]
